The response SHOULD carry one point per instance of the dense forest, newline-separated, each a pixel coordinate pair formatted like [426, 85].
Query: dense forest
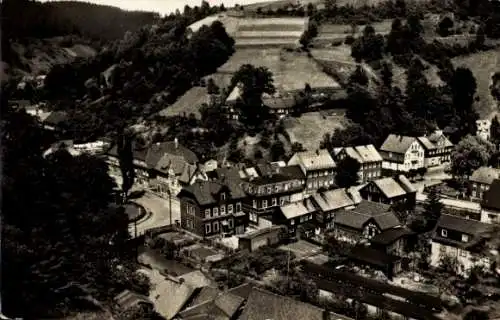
[28, 18]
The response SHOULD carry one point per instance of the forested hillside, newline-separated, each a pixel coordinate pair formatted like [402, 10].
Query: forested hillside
[27, 24]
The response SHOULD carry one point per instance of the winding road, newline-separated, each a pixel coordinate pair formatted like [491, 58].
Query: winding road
[158, 213]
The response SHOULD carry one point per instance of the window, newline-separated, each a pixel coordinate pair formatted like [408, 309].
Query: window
[216, 226]
[465, 238]
[444, 233]
[462, 253]
[254, 204]
[282, 201]
[222, 210]
[286, 186]
[216, 212]
[264, 203]
[309, 185]
[292, 222]
[253, 217]
[223, 196]
[230, 223]
[442, 249]
[207, 213]
[275, 202]
[269, 189]
[277, 188]
[208, 228]
[230, 209]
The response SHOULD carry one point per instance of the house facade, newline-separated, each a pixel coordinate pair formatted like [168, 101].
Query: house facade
[163, 168]
[329, 203]
[437, 149]
[490, 206]
[211, 209]
[296, 215]
[269, 187]
[391, 191]
[459, 239]
[263, 237]
[365, 221]
[402, 153]
[483, 129]
[368, 157]
[481, 180]
[318, 167]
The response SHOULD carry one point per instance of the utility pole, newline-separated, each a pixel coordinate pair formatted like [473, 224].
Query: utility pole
[287, 265]
[170, 203]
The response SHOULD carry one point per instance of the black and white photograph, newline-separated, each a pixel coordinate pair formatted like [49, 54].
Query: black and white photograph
[250, 160]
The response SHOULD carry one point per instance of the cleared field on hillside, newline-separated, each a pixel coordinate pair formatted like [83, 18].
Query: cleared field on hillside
[310, 128]
[431, 73]
[271, 27]
[328, 33]
[291, 71]
[190, 102]
[483, 65]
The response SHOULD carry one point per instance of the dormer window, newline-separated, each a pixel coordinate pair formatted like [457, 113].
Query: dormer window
[269, 189]
[444, 233]
[465, 238]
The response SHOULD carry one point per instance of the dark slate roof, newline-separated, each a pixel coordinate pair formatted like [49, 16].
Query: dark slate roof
[127, 299]
[478, 231]
[390, 236]
[293, 172]
[204, 191]
[242, 290]
[365, 211]
[266, 305]
[462, 225]
[371, 256]
[491, 198]
[157, 150]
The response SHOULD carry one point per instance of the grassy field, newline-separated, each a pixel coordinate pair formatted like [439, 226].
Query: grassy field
[483, 65]
[190, 102]
[310, 128]
[291, 71]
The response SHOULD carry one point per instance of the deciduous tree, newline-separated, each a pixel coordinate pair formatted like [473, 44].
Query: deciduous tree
[347, 172]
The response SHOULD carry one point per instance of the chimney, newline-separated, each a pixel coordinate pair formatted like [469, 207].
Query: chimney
[176, 142]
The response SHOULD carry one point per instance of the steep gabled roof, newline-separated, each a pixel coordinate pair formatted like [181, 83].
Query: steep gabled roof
[366, 211]
[333, 199]
[485, 175]
[159, 149]
[397, 144]
[389, 187]
[204, 191]
[477, 231]
[298, 209]
[314, 160]
[263, 305]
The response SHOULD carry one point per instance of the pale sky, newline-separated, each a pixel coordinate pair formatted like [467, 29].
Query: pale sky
[164, 6]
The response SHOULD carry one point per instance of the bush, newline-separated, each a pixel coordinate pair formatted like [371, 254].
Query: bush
[349, 40]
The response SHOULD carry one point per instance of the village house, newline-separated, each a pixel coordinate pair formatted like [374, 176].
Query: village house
[460, 239]
[268, 187]
[490, 206]
[329, 202]
[263, 305]
[481, 180]
[318, 167]
[163, 168]
[364, 221]
[391, 191]
[393, 241]
[253, 240]
[402, 153]
[368, 157]
[364, 255]
[483, 129]
[437, 149]
[210, 208]
[297, 215]
[280, 106]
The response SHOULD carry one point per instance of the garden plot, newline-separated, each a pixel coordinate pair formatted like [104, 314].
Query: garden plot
[291, 71]
[189, 103]
[310, 128]
[329, 33]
